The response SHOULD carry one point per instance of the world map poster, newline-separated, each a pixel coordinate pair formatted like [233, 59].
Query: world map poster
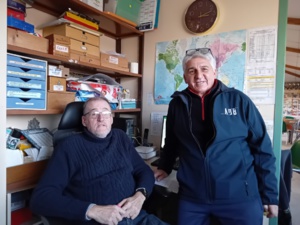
[228, 48]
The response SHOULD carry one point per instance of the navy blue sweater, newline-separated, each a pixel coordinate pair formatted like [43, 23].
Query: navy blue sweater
[85, 169]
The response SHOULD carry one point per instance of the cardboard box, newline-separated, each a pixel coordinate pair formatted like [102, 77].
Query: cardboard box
[25, 40]
[79, 57]
[59, 49]
[54, 71]
[56, 83]
[58, 39]
[65, 71]
[59, 45]
[97, 4]
[114, 62]
[84, 48]
[71, 32]
[59, 100]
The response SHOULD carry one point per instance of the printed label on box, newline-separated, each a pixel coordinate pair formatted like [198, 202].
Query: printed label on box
[58, 87]
[61, 48]
[113, 60]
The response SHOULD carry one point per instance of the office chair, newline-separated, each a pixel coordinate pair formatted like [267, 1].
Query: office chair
[70, 122]
[295, 151]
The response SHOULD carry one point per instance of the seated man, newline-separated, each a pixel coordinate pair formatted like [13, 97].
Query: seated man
[95, 177]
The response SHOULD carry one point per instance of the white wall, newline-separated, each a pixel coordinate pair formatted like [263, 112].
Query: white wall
[3, 44]
[234, 15]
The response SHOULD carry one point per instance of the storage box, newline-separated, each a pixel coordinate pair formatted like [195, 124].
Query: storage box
[22, 103]
[56, 83]
[25, 93]
[25, 40]
[86, 35]
[59, 45]
[84, 48]
[25, 73]
[21, 216]
[26, 62]
[97, 4]
[17, 5]
[128, 104]
[59, 100]
[19, 24]
[16, 14]
[25, 83]
[114, 62]
[80, 57]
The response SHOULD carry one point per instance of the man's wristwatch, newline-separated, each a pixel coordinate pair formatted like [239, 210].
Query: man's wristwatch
[142, 190]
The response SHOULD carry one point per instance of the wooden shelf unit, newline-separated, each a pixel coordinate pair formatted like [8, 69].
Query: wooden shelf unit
[109, 25]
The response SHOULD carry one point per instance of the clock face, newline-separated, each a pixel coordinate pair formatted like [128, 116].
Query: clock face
[201, 16]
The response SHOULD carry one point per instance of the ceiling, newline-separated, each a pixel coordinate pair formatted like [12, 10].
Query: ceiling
[292, 69]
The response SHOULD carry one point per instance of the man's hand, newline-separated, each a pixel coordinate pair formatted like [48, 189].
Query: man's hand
[271, 210]
[133, 205]
[111, 214]
[159, 174]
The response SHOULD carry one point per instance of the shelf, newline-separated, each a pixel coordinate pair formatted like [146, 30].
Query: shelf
[91, 68]
[111, 26]
[56, 111]
[24, 176]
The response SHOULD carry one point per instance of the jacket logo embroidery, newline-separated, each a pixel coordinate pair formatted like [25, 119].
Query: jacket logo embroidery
[230, 112]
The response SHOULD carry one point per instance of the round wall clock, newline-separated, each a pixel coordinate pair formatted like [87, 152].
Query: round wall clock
[201, 15]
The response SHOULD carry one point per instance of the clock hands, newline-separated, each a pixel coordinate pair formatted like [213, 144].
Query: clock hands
[204, 14]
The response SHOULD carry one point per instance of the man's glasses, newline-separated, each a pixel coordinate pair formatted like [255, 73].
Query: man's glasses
[94, 114]
[203, 51]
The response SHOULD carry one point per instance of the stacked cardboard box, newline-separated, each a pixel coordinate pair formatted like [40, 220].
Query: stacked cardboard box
[84, 44]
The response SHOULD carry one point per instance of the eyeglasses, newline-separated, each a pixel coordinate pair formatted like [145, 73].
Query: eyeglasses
[203, 51]
[94, 114]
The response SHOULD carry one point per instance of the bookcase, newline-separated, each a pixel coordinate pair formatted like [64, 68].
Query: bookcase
[25, 176]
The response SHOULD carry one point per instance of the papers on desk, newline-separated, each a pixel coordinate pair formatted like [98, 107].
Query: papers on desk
[170, 182]
[44, 153]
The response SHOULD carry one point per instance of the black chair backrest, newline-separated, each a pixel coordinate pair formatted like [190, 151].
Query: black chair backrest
[71, 117]
[70, 122]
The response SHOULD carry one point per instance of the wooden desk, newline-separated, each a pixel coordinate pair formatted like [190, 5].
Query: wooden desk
[20, 178]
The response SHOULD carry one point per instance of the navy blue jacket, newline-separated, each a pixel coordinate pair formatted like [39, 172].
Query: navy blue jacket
[237, 164]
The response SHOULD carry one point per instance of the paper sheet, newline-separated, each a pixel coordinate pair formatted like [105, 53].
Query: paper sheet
[170, 182]
[156, 123]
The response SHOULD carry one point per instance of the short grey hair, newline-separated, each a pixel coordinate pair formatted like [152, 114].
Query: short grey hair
[95, 99]
[197, 54]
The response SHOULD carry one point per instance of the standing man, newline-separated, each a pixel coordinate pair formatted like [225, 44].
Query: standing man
[227, 165]
[95, 177]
